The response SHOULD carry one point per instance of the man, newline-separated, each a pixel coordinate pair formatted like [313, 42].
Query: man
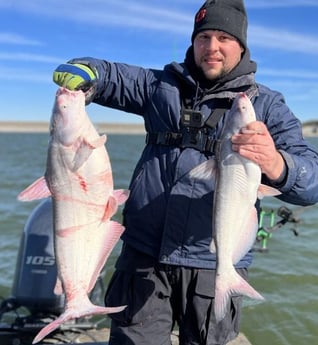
[165, 273]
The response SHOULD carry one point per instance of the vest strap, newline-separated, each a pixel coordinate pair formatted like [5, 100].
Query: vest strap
[192, 138]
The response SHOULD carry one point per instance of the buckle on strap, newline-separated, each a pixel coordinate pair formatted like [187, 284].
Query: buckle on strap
[195, 139]
[198, 140]
[164, 138]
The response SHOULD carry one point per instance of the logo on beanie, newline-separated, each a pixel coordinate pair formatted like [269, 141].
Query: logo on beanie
[200, 15]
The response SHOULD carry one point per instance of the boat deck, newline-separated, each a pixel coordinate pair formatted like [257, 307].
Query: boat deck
[88, 336]
[102, 337]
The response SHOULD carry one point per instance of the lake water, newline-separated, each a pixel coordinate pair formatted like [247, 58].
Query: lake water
[287, 275]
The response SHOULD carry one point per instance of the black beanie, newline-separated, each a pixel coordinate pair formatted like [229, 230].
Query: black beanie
[224, 15]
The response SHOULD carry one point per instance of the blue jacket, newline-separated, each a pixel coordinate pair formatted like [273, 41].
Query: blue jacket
[168, 215]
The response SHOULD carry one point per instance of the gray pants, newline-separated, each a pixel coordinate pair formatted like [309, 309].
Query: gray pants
[158, 297]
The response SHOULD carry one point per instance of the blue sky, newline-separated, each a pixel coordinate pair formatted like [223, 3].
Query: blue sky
[38, 35]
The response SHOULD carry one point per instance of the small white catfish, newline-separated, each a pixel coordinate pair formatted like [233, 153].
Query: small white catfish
[79, 178]
[235, 222]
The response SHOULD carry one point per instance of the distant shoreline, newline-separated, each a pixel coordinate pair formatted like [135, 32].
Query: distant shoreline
[43, 127]
[309, 129]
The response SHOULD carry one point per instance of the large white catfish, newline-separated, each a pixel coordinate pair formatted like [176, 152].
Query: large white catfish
[79, 179]
[235, 223]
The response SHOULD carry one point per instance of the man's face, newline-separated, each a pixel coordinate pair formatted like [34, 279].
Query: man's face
[216, 53]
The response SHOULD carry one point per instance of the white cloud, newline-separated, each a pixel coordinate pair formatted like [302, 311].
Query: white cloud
[149, 16]
[139, 14]
[12, 38]
[29, 57]
[261, 3]
[293, 74]
[280, 3]
[19, 74]
[282, 40]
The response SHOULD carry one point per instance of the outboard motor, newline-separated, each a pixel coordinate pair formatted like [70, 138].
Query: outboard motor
[36, 271]
[33, 288]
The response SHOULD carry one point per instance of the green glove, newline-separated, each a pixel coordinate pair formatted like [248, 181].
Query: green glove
[74, 76]
[77, 76]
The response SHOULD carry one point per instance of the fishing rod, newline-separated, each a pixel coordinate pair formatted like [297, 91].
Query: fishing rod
[265, 232]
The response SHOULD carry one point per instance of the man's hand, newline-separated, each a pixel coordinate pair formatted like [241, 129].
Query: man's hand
[77, 76]
[255, 143]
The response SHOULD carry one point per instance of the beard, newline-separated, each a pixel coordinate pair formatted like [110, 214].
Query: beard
[213, 75]
[210, 80]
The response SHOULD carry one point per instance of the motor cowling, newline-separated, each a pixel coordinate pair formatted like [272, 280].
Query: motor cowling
[36, 270]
